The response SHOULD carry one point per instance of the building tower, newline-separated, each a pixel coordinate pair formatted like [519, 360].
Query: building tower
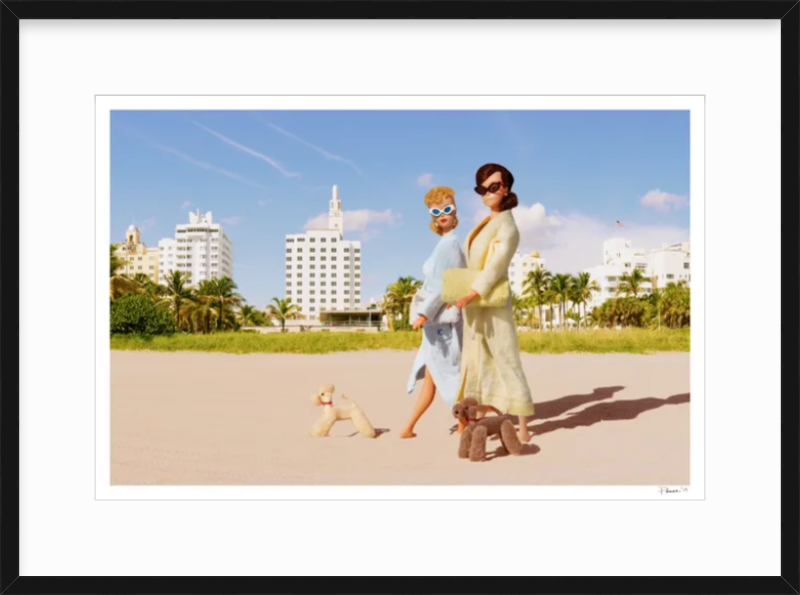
[335, 216]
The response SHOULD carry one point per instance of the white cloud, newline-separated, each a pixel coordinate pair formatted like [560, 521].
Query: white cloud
[235, 220]
[664, 201]
[425, 180]
[186, 205]
[362, 220]
[574, 242]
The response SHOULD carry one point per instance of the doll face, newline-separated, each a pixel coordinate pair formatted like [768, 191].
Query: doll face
[444, 214]
[493, 190]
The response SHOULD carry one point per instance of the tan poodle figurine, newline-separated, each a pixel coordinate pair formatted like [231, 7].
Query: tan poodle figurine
[330, 414]
[472, 444]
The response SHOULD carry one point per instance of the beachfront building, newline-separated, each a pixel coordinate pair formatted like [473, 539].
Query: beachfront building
[323, 270]
[521, 265]
[619, 258]
[139, 258]
[670, 264]
[200, 248]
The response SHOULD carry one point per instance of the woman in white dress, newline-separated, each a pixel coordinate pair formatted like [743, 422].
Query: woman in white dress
[438, 361]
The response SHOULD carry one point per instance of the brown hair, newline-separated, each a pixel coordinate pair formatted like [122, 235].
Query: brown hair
[434, 196]
[510, 200]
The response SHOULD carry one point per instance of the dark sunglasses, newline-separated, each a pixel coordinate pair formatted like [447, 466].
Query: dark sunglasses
[445, 211]
[491, 188]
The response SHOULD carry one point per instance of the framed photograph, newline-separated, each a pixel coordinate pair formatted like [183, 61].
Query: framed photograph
[359, 281]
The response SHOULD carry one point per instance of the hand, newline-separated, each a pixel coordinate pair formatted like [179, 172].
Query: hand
[419, 322]
[464, 301]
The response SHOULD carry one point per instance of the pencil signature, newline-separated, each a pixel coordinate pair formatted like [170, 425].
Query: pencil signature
[681, 490]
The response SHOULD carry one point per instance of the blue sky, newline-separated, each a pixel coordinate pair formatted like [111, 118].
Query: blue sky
[266, 174]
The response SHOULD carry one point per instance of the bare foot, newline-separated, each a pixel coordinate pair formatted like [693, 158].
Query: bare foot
[407, 434]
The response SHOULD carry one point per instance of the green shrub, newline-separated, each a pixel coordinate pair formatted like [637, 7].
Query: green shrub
[137, 314]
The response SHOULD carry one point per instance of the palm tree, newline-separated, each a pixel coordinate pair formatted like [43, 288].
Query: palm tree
[631, 283]
[119, 283]
[282, 310]
[535, 286]
[400, 293]
[224, 299]
[248, 316]
[203, 314]
[583, 287]
[178, 296]
[559, 293]
[518, 308]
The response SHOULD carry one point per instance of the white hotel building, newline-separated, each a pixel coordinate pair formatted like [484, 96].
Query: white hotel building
[521, 265]
[200, 248]
[670, 263]
[323, 270]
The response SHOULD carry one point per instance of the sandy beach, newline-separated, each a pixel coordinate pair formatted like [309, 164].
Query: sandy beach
[223, 419]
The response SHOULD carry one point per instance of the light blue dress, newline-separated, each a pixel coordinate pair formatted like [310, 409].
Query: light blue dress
[442, 333]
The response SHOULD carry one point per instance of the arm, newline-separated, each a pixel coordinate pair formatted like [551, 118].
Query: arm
[449, 256]
[505, 246]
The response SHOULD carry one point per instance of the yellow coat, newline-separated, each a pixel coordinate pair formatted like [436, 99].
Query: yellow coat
[491, 370]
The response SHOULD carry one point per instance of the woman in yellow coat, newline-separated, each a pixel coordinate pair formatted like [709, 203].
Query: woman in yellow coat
[491, 370]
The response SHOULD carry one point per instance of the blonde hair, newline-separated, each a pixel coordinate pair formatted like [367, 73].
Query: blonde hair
[435, 196]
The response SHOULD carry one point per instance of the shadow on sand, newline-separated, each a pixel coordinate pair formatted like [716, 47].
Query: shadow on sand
[560, 406]
[613, 411]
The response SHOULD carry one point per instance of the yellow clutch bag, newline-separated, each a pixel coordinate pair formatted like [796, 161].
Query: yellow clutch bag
[456, 283]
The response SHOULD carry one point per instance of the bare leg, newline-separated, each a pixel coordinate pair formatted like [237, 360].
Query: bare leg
[524, 435]
[423, 402]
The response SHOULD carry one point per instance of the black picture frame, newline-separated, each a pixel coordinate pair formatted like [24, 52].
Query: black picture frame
[11, 11]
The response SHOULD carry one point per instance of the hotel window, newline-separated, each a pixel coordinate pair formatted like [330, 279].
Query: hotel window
[312, 275]
[333, 249]
[358, 250]
[311, 300]
[299, 291]
[670, 276]
[311, 257]
[358, 267]
[311, 309]
[358, 275]
[152, 267]
[312, 249]
[347, 274]
[347, 249]
[139, 267]
[322, 291]
[333, 292]
[685, 265]
[333, 258]
[322, 249]
[289, 240]
[288, 259]
[311, 283]
[300, 266]
[312, 239]
[333, 282]
[322, 275]
[312, 266]
[322, 239]
[333, 239]
[299, 282]
[289, 283]
[322, 283]
[322, 258]
[347, 258]
[288, 250]
[301, 239]
[333, 300]
[322, 266]
[299, 257]
[288, 292]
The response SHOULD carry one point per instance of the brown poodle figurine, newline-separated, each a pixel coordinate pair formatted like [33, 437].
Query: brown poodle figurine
[479, 428]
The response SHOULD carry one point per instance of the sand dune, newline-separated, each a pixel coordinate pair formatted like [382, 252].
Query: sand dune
[212, 418]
